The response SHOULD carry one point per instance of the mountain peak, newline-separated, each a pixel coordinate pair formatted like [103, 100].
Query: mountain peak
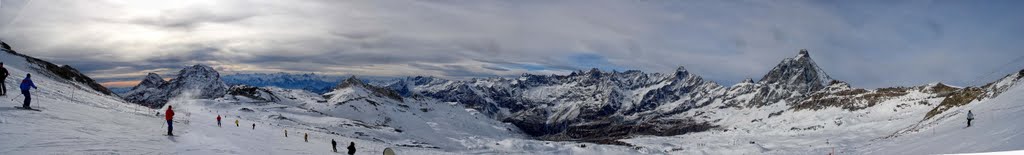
[152, 75]
[748, 80]
[349, 82]
[199, 68]
[197, 81]
[353, 82]
[152, 80]
[799, 74]
[680, 69]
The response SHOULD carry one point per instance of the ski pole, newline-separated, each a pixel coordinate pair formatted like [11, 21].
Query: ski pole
[16, 97]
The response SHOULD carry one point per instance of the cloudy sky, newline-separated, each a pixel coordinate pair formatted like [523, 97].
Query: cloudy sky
[867, 43]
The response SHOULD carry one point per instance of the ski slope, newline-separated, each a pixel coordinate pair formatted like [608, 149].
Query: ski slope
[997, 127]
[77, 120]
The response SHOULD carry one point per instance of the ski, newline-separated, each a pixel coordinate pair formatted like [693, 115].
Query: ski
[23, 108]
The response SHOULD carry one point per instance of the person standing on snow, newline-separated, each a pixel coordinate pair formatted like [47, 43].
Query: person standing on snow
[970, 116]
[218, 120]
[169, 115]
[306, 137]
[3, 80]
[25, 85]
[236, 123]
[352, 148]
[334, 145]
[253, 126]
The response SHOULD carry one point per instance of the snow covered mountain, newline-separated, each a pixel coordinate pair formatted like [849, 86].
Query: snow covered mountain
[65, 73]
[310, 82]
[641, 113]
[604, 106]
[198, 81]
[75, 119]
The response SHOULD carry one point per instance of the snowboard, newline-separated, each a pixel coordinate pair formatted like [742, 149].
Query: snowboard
[23, 108]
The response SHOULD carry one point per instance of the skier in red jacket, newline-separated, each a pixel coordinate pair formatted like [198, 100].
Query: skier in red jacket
[169, 115]
[218, 120]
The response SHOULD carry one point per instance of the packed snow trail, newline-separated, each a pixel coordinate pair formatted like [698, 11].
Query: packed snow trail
[997, 127]
[204, 137]
[77, 121]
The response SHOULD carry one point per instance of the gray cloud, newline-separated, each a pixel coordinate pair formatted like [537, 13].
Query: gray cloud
[869, 44]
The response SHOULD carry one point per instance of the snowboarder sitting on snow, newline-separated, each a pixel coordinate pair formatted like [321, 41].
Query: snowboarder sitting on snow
[352, 148]
[169, 115]
[970, 117]
[25, 85]
[3, 80]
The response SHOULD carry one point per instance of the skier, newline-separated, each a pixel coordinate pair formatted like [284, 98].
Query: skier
[218, 120]
[253, 126]
[352, 148]
[334, 145]
[236, 123]
[285, 132]
[306, 137]
[970, 116]
[170, 116]
[25, 85]
[3, 79]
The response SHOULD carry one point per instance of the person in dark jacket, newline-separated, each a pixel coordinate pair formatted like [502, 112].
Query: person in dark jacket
[352, 148]
[169, 115]
[970, 117]
[334, 145]
[3, 80]
[25, 85]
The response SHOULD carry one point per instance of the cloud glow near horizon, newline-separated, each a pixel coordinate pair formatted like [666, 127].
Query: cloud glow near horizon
[866, 43]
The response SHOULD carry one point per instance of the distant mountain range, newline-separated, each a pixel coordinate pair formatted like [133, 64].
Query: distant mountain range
[593, 105]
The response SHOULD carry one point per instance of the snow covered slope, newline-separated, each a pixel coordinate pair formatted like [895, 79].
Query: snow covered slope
[75, 119]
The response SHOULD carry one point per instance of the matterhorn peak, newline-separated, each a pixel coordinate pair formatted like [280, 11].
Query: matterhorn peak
[803, 54]
[800, 70]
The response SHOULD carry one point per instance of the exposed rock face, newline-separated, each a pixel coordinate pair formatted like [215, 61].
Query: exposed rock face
[584, 105]
[792, 79]
[198, 81]
[253, 93]
[355, 83]
[63, 72]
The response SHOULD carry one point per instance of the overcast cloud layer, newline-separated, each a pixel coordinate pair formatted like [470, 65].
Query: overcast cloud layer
[867, 43]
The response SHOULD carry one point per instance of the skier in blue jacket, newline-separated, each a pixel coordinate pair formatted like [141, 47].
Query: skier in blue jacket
[25, 85]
